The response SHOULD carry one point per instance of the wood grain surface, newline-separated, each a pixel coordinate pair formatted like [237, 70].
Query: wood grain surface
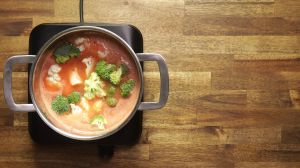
[234, 70]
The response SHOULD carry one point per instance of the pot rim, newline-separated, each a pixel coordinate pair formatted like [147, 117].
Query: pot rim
[53, 40]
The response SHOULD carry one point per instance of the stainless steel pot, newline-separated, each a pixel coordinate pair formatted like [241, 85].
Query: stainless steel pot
[35, 70]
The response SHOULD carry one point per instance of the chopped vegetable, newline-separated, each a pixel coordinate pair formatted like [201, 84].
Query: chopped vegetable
[111, 91]
[75, 109]
[65, 52]
[103, 54]
[127, 87]
[97, 106]
[89, 65]
[99, 120]
[111, 101]
[124, 69]
[74, 97]
[84, 104]
[79, 40]
[104, 70]
[93, 87]
[54, 69]
[62, 59]
[60, 104]
[75, 78]
[115, 77]
[53, 78]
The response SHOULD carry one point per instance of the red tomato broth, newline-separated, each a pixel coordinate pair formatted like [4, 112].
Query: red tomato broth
[115, 116]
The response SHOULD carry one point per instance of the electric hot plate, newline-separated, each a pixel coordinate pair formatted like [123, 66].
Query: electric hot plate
[43, 134]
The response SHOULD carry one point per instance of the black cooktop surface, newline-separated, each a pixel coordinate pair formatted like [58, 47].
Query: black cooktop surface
[43, 134]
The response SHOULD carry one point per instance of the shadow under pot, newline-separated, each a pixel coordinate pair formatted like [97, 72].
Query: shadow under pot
[86, 83]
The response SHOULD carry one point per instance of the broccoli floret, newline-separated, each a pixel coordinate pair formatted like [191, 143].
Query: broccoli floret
[104, 70]
[61, 59]
[115, 77]
[124, 69]
[111, 101]
[111, 91]
[127, 87]
[65, 52]
[99, 120]
[74, 97]
[93, 87]
[60, 104]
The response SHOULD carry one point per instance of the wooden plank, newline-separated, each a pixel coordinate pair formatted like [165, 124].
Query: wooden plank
[194, 62]
[180, 102]
[230, 9]
[222, 99]
[139, 12]
[196, 2]
[214, 135]
[267, 164]
[155, 164]
[20, 119]
[221, 154]
[14, 135]
[271, 66]
[266, 153]
[15, 27]
[223, 62]
[35, 163]
[236, 26]
[295, 98]
[187, 80]
[290, 134]
[118, 163]
[6, 117]
[287, 8]
[188, 104]
[268, 99]
[19, 82]
[245, 117]
[26, 8]
[238, 45]
[268, 57]
[20, 45]
[255, 80]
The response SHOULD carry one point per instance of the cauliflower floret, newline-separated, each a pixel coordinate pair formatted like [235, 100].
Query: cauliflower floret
[54, 69]
[81, 48]
[75, 109]
[84, 104]
[54, 80]
[89, 65]
[75, 78]
[79, 40]
[102, 54]
[93, 87]
[53, 76]
[56, 77]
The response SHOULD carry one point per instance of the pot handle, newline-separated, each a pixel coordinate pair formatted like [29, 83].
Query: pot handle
[7, 79]
[164, 81]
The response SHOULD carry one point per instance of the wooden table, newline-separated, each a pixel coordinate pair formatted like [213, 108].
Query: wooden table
[234, 83]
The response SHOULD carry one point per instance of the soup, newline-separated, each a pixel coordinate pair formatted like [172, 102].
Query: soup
[88, 84]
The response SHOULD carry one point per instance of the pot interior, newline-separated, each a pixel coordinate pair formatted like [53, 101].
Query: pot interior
[71, 124]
